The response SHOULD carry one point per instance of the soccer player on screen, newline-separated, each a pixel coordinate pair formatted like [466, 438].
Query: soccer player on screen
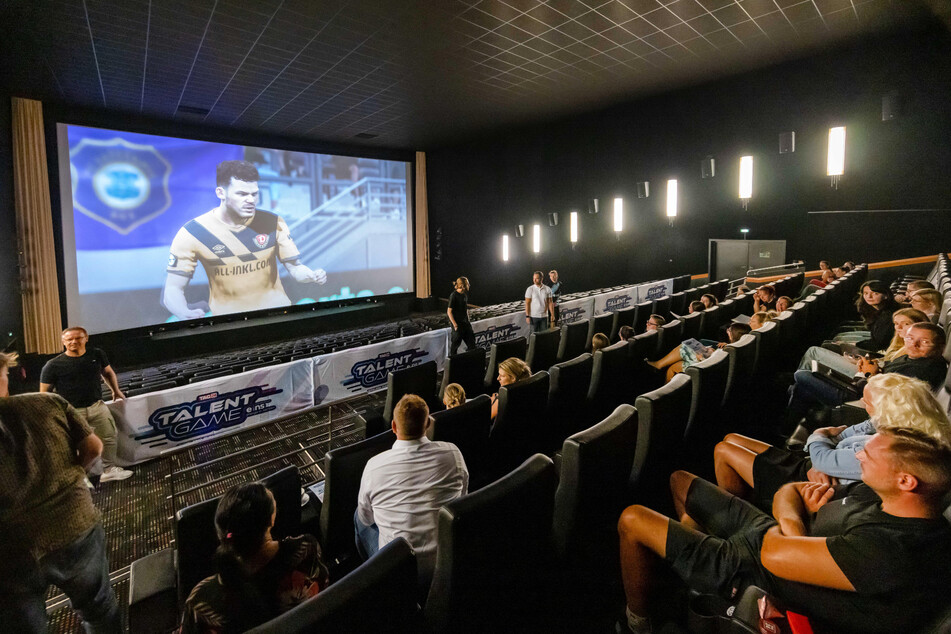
[239, 246]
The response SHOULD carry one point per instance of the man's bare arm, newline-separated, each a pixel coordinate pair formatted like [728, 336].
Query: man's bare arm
[46, 387]
[304, 274]
[112, 381]
[174, 298]
[88, 450]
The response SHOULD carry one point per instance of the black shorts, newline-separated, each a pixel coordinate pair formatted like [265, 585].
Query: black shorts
[775, 467]
[727, 558]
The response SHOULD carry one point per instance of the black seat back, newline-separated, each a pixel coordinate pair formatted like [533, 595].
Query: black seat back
[712, 320]
[767, 347]
[543, 349]
[467, 369]
[625, 317]
[691, 295]
[467, 427]
[600, 323]
[728, 309]
[491, 546]
[592, 491]
[678, 303]
[661, 423]
[343, 468]
[521, 427]
[643, 314]
[612, 380]
[379, 596]
[742, 364]
[419, 380]
[669, 336]
[709, 383]
[661, 307]
[195, 541]
[568, 395]
[285, 485]
[692, 323]
[574, 340]
[498, 353]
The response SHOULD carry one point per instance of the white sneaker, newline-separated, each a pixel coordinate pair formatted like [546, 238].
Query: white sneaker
[88, 483]
[115, 473]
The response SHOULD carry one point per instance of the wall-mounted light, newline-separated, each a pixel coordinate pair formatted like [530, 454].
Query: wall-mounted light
[505, 248]
[672, 198]
[593, 206]
[536, 238]
[836, 163]
[745, 232]
[618, 214]
[746, 179]
[573, 227]
[553, 219]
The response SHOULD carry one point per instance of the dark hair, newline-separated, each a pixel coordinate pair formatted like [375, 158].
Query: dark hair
[625, 333]
[599, 341]
[697, 306]
[539, 273]
[769, 289]
[713, 299]
[821, 262]
[737, 330]
[659, 319]
[940, 340]
[238, 170]
[870, 313]
[242, 521]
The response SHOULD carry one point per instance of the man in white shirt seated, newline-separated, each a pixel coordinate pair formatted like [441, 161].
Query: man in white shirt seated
[403, 489]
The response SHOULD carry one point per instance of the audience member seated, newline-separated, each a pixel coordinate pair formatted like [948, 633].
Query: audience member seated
[696, 306]
[910, 288]
[754, 470]
[654, 322]
[454, 396]
[848, 265]
[709, 300]
[257, 576]
[742, 290]
[402, 489]
[684, 356]
[598, 341]
[758, 319]
[511, 370]
[823, 281]
[764, 298]
[876, 560]
[626, 333]
[928, 301]
[902, 319]
[783, 303]
[875, 306]
[922, 359]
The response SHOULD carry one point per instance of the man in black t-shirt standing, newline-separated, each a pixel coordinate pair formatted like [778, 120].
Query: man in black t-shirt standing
[876, 560]
[557, 289]
[458, 313]
[76, 375]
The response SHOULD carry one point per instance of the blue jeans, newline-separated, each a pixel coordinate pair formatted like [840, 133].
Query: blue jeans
[810, 390]
[368, 537]
[539, 324]
[79, 569]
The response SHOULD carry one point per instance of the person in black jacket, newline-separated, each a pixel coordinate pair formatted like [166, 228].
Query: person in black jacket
[458, 312]
[875, 306]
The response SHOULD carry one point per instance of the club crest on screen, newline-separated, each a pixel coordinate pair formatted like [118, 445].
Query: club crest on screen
[261, 240]
[118, 183]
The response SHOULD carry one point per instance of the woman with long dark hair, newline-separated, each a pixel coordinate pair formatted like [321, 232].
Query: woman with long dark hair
[875, 306]
[258, 577]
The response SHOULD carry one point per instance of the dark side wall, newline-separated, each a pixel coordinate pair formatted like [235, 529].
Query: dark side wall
[481, 189]
[11, 320]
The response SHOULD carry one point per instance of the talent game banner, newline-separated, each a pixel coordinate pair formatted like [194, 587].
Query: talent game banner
[615, 301]
[499, 329]
[654, 290]
[576, 310]
[152, 423]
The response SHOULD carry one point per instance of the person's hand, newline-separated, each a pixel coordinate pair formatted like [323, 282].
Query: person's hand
[191, 313]
[868, 366]
[317, 276]
[815, 495]
[722, 344]
[118, 395]
[527, 319]
[814, 475]
[830, 432]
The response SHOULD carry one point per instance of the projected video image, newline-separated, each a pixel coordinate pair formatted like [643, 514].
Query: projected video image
[160, 229]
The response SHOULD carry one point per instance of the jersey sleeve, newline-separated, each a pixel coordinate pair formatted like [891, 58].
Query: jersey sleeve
[183, 255]
[286, 249]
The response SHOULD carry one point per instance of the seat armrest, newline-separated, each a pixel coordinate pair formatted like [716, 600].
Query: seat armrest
[151, 575]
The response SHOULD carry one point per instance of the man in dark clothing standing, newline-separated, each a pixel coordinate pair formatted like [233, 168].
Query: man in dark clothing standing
[52, 533]
[556, 291]
[458, 312]
[75, 375]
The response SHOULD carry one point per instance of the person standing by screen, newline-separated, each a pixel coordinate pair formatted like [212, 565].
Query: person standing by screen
[538, 304]
[238, 245]
[556, 292]
[76, 375]
[458, 312]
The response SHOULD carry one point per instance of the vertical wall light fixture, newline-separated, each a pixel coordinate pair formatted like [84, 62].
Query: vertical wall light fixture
[672, 199]
[618, 214]
[746, 179]
[573, 227]
[536, 238]
[505, 247]
[836, 163]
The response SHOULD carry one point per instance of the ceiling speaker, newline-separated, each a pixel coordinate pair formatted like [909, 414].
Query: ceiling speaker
[708, 167]
[644, 189]
[891, 106]
[553, 219]
[787, 142]
[593, 206]
[519, 231]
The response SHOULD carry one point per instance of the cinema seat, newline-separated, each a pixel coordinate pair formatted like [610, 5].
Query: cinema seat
[493, 555]
[419, 380]
[678, 303]
[642, 315]
[612, 380]
[600, 323]
[543, 349]
[712, 320]
[467, 427]
[521, 427]
[498, 353]
[661, 307]
[568, 395]
[709, 380]
[379, 596]
[692, 323]
[574, 340]
[343, 468]
[467, 369]
[669, 336]
[625, 317]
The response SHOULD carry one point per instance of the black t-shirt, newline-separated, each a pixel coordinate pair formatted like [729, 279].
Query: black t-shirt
[900, 568]
[459, 305]
[930, 369]
[77, 379]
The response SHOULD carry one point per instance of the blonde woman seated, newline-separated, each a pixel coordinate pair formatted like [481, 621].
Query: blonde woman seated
[598, 341]
[928, 301]
[754, 470]
[454, 396]
[510, 371]
[902, 320]
[683, 356]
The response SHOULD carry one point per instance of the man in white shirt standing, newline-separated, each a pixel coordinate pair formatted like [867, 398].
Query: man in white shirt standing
[403, 489]
[539, 307]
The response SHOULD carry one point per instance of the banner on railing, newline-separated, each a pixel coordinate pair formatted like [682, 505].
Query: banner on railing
[615, 301]
[363, 370]
[152, 423]
[654, 290]
[499, 329]
[576, 310]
